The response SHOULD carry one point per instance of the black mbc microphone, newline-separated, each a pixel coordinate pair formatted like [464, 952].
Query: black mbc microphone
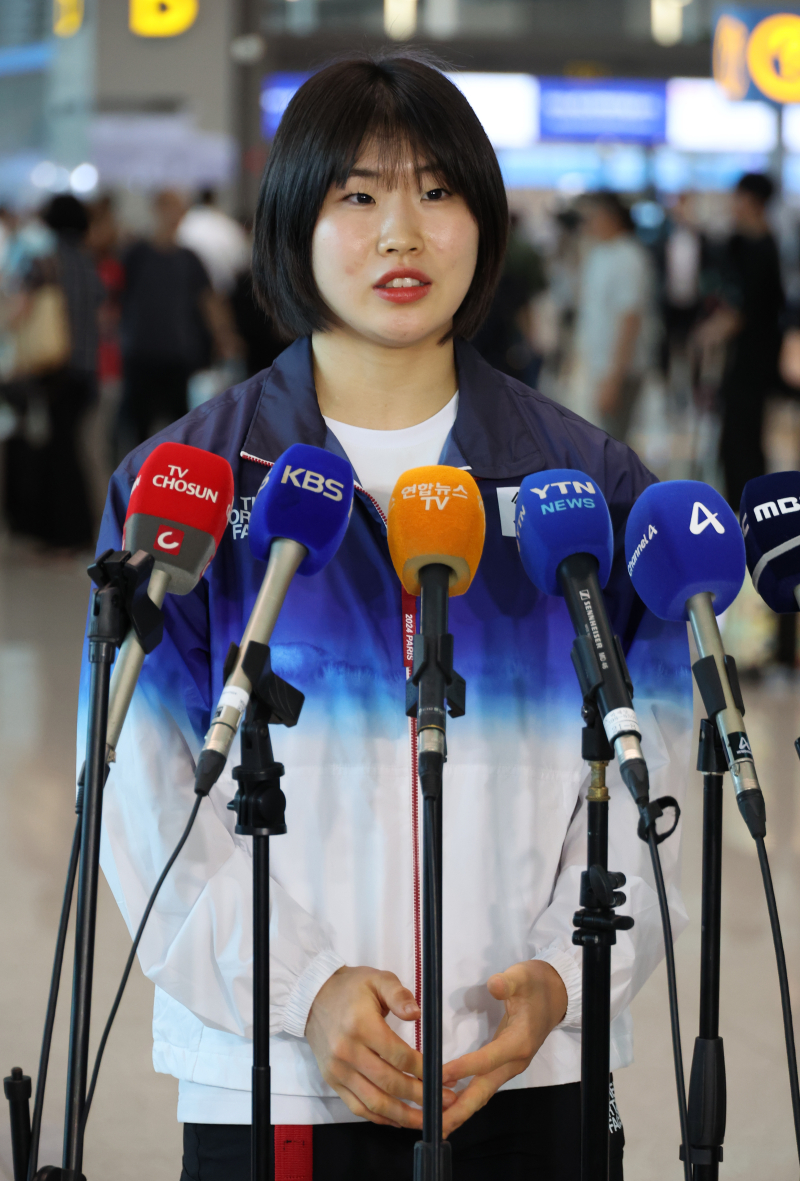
[770, 517]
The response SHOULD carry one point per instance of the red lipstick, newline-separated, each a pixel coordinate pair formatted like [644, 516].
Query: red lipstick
[403, 294]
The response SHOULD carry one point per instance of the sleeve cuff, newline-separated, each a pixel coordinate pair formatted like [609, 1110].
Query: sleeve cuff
[305, 990]
[571, 974]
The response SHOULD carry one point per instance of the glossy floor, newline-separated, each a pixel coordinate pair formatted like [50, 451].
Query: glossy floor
[133, 1131]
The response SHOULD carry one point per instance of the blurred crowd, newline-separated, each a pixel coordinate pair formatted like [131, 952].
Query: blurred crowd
[669, 327]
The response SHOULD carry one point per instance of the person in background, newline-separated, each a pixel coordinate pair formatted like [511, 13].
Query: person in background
[47, 493]
[171, 320]
[615, 316]
[504, 340]
[682, 261]
[102, 243]
[260, 338]
[218, 241]
[748, 322]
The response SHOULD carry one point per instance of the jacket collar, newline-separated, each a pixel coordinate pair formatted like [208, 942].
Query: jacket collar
[491, 435]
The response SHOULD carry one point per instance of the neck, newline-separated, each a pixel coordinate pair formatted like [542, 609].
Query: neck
[369, 385]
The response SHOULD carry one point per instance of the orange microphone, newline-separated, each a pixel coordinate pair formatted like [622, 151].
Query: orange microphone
[436, 530]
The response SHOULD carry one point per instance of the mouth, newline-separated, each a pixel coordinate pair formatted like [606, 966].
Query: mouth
[403, 286]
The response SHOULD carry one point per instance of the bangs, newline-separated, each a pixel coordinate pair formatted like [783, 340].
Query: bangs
[404, 110]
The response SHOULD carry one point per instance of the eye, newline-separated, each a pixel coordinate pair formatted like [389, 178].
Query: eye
[360, 199]
[435, 195]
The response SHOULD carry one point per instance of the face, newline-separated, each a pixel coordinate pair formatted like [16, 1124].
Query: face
[393, 261]
[600, 223]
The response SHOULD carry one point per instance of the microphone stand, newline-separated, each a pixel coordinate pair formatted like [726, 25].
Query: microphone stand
[707, 1084]
[260, 805]
[596, 932]
[432, 683]
[120, 604]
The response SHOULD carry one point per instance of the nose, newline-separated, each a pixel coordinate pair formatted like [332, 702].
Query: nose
[400, 235]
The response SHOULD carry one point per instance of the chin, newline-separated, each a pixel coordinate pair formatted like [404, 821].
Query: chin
[397, 332]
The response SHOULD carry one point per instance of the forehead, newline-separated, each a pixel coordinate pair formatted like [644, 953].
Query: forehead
[393, 163]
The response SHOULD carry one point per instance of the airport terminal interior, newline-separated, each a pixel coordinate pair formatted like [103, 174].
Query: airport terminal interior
[640, 143]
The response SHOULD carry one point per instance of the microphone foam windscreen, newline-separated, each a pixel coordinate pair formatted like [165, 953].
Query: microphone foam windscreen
[682, 538]
[179, 506]
[770, 516]
[436, 517]
[307, 497]
[561, 513]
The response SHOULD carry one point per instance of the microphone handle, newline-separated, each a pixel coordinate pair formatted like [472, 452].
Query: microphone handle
[730, 722]
[285, 556]
[580, 585]
[127, 668]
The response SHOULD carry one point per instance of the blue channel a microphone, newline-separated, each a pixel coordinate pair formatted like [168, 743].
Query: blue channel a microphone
[686, 559]
[771, 528]
[297, 523]
[566, 543]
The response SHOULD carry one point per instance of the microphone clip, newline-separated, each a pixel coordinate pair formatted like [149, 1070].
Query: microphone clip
[436, 652]
[122, 579]
[259, 803]
[596, 923]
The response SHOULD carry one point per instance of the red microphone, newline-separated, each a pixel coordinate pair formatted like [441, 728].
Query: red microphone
[180, 503]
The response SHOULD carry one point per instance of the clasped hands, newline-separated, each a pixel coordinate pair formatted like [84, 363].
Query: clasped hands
[378, 1075]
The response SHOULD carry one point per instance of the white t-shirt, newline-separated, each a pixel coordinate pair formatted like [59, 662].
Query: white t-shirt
[617, 278]
[379, 458]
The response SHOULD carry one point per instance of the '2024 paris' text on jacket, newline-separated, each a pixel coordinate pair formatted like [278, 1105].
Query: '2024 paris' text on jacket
[347, 875]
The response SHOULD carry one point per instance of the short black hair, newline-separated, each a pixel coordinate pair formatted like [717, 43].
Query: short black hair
[758, 185]
[402, 102]
[611, 203]
[65, 214]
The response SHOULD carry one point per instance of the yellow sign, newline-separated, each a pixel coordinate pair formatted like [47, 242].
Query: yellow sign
[773, 57]
[67, 17]
[729, 56]
[161, 18]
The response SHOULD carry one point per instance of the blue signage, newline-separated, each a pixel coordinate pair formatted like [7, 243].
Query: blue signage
[277, 91]
[589, 109]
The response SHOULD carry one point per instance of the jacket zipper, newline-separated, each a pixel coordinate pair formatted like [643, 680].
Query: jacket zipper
[409, 621]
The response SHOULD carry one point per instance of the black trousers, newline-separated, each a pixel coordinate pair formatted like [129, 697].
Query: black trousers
[526, 1135]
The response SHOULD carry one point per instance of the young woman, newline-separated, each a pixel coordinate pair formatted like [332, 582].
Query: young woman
[380, 231]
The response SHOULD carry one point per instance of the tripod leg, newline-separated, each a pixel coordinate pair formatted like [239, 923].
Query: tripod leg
[707, 1089]
[596, 1034]
[261, 1166]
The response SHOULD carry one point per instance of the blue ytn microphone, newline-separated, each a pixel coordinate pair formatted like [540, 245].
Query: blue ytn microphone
[686, 558]
[297, 524]
[770, 517]
[566, 543]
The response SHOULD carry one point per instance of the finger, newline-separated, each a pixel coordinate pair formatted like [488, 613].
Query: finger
[386, 1077]
[473, 1097]
[381, 1038]
[504, 985]
[496, 1054]
[395, 996]
[377, 1102]
[357, 1107]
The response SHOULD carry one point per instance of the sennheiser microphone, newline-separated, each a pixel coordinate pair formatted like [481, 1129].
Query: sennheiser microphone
[178, 509]
[770, 517]
[686, 559]
[566, 543]
[297, 523]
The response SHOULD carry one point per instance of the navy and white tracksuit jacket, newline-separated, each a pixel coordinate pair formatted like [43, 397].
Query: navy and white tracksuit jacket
[346, 877]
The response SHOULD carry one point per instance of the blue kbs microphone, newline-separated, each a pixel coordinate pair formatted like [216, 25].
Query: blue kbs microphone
[770, 516]
[566, 543]
[686, 558]
[297, 524]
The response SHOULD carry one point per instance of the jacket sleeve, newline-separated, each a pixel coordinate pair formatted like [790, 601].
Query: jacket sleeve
[658, 660]
[197, 945]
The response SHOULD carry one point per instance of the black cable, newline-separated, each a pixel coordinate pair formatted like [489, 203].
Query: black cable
[783, 979]
[672, 985]
[52, 1000]
[118, 998]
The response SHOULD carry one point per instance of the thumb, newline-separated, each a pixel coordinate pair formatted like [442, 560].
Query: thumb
[396, 997]
[502, 986]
